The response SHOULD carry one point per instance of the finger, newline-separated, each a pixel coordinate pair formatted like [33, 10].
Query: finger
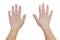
[9, 13]
[13, 10]
[35, 17]
[43, 9]
[39, 11]
[19, 14]
[16, 9]
[10, 18]
[47, 9]
[51, 14]
[23, 18]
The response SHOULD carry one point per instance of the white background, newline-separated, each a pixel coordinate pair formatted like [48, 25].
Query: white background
[30, 29]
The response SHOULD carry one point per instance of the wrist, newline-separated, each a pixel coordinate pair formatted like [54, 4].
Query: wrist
[48, 33]
[13, 28]
[12, 34]
[15, 31]
[45, 28]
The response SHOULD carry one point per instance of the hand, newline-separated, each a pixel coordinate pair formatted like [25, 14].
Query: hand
[15, 17]
[44, 18]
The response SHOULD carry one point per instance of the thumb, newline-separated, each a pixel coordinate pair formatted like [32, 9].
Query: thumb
[23, 18]
[35, 17]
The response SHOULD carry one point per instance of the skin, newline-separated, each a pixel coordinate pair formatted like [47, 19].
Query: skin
[44, 20]
[15, 21]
